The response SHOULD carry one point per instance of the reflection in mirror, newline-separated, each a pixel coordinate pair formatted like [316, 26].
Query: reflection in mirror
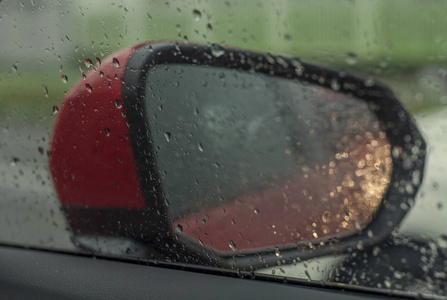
[248, 161]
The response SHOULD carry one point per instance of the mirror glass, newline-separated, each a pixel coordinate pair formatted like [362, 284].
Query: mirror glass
[249, 161]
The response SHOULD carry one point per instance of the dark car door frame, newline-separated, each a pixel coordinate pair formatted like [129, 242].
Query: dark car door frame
[40, 274]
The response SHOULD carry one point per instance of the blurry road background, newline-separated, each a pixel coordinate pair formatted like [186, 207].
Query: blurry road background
[403, 44]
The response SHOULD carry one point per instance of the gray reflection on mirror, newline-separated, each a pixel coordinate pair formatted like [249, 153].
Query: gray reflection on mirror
[250, 160]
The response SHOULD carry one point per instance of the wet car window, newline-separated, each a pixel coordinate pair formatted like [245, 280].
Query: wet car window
[49, 48]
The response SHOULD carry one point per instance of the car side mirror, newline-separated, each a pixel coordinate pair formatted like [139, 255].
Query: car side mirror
[231, 158]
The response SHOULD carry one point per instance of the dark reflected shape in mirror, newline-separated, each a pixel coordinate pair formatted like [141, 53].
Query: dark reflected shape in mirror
[249, 161]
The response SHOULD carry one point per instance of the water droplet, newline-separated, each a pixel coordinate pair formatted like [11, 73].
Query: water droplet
[101, 73]
[404, 206]
[200, 147]
[40, 149]
[277, 253]
[209, 27]
[299, 70]
[369, 82]
[360, 246]
[396, 151]
[88, 87]
[409, 188]
[55, 110]
[14, 68]
[435, 185]
[98, 61]
[232, 245]
[118, 104]
[107, 131]
[45, 91]
[307, 274]
[376, 251]
[358, 225]
[351, 58]
[196, 14]
[217, 50]
[179, 228]
[256, 211]
[335, 85]
[88, 63]
[84, 77]
[115, 62]
[168, 136]
[325, 216]
[64, 78]
[14, 161]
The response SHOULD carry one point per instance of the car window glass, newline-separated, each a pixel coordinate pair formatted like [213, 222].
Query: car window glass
[47, 47]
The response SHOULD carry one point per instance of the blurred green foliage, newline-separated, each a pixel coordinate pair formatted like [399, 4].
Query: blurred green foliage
[389, 40]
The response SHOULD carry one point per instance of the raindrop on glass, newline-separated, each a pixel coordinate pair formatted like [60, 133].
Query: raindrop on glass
[55, 110]
[98, 61]
[88, 87]
[232, 245]
[115, 62]
[351, 58]
[299, 69]
[325, 217]
[88, 63]
[45, 91]
[335, 85]
[14, 161]
[168, 136]
[200, 147]
[196, 14]
[64, 78]
[277, 253]
[217, 50]
[369, 82]
[118, 104]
